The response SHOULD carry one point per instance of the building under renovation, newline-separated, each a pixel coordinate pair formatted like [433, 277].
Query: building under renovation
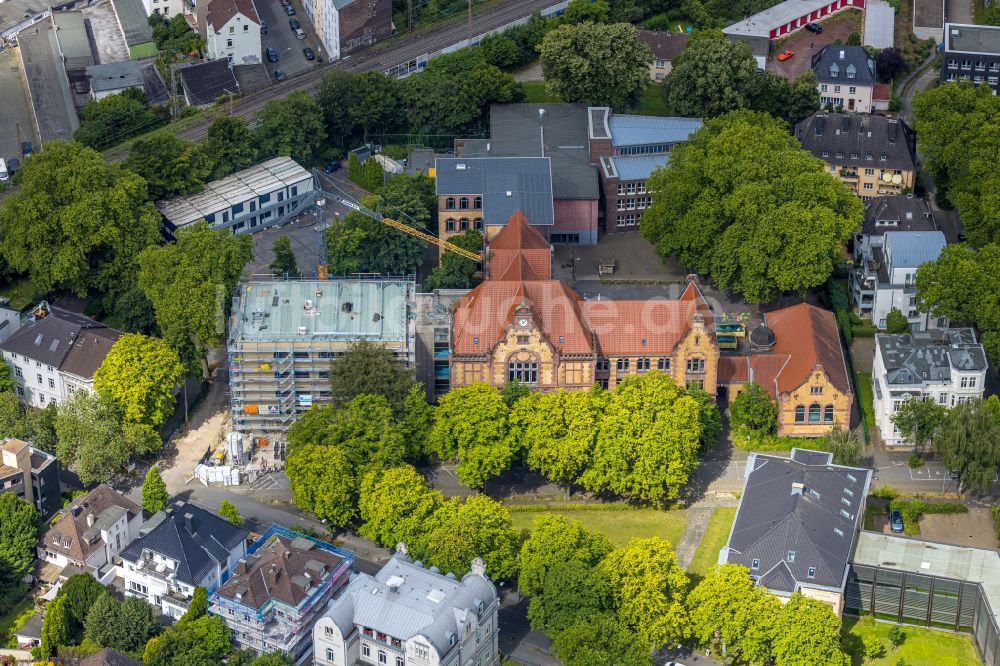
[284, 334]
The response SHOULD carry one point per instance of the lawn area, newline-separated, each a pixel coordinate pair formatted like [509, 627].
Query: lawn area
[17, 616]
[619, 526]
[652, 103]
[716, 535]
[922, 647]
[534, 92]
[863, 383]
[21, 293]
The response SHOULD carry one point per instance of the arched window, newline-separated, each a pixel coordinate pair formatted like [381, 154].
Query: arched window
[479, 223]
[814, 413]
[800, 414]
[463, 224]
[477, 203]
[449, 203]
[828, 414]
[449, 224]
[463, 203]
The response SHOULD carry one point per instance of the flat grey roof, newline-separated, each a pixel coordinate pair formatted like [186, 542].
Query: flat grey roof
[637, 167]
[879, 18]
[15, 13]
[928, 14]
[911, 249]
[115, 76]
[630, 130]
[51, 99]
[763, 22]
[339, 309]
[132, 19]
[929, 356]
[507, 184]
[71, 34]
[965, 38]
[264, 178]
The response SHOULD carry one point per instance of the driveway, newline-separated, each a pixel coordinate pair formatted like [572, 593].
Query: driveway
[14, 106]
[281, 38]
[805, 44]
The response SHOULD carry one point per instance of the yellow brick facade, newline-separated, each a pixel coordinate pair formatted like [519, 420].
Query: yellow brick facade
[871, 182]
[457, 213]
[813, 408]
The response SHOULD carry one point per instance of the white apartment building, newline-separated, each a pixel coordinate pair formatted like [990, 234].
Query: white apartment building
[946, 366]
[169, 8]
[845, 76]
[886, 278]
[233, 31]
[407, 615]
[179, 549]
[55, 354]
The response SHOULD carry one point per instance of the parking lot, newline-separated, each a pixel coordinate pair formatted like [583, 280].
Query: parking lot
[15, 109]
[281, 38]
[805, 43]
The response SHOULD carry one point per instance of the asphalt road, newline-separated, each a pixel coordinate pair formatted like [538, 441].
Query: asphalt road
[281, 38]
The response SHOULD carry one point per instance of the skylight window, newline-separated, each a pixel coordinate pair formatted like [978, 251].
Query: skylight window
[852, 478]
[846, 514]
[755, 565]
[811, 572]
[790, 556]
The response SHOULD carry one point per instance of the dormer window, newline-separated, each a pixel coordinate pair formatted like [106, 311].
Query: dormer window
[790, 556]
[852, 71]
[834, 71]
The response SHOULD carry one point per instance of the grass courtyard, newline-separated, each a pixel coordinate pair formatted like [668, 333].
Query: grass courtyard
[619, 526]
[922, 647]
[651, 103]
[716, 535]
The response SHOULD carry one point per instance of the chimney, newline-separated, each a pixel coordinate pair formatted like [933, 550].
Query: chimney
[90, 520]
[189, 522]
[478, 567]
[272, 574]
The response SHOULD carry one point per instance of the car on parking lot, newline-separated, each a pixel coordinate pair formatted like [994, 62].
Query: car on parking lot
[293, 24]
[272, 55]
[814, 28]
[299, 34]
[263, 28]
[786, 54]
[290, 10]
[332, 166]
[896, 521]
[26, 149]
[279, 75]
[308, 53]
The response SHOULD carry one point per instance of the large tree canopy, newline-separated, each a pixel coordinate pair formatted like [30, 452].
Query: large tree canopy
[78, 223]
[139, 374]
[744, 202]
[292, 126]
[553, 540]
[170, 165]
[478, 527]
[368, 369]
[18, 538]
[396, 506]
[596, 63]
[471, 423]
[969, 442]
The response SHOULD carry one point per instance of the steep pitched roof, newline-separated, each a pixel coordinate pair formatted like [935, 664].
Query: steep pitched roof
[516, 241]
[664, 45]
[88, 351]
[221, 11]
[48, 339]
[808, 336]
[858, 140]
[833, 63]
[73, 537]
[108, 657]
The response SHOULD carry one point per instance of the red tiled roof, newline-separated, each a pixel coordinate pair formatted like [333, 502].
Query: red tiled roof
[519, 240]
[519, 270]
[732, 369]
[221, 11]
[735, 369]
[518, 234]
[638, 327]
[808, 336]
[881, 91]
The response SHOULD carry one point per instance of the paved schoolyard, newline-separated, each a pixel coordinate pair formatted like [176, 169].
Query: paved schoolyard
[805, 44]
[973, 529]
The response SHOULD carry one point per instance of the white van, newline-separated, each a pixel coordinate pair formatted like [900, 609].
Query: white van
[4, 174]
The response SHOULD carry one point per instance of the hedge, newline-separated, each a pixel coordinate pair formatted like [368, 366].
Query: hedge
[912, 510]
[751, 441]
[542, 508]
[996, 520]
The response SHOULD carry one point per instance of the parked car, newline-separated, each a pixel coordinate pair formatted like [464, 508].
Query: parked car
[26, 149]
[272, 55]
[263, 28]
[299, 34]
[290, 10]
[896, 521]
[814, 28]
[332, 166]
[308, 53]
[5, 173]
[13, 164]
[279, 75]
[786, 54]
[293, 24]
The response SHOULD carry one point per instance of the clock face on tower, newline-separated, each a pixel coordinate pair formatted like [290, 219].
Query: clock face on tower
[522, 322]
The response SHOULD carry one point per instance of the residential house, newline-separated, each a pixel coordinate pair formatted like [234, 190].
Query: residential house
[972, 53]
[205, 82]
[944, 366]
[10, 319]
[522, 324]
[179, 549]
[114, 78]
[56, 354]
[872, 155]
[846, 77]
[344, 26]
[628, 149]
[760, 46]
[796, 356]
[233, 31]
[277, 592]
[484, 192]
[892, 213]
[787, 17]
[91, 531]
[665, 46]
[266, 194]
[557, 132]
[29, 634]
[406, 615]
[31, 474]
[796, 524]
[887, 278]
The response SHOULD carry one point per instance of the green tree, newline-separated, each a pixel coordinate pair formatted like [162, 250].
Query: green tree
[647, 442]
[13, 418]
[969, 442]
[579, 11]
[231, 145]
[364, 428]
[896, 636]
[374, 176]
[711, 418]
[753, 410]
[40, 425]
[124, 626]
[77, 223]
[7, 383]
[81, 591]
[334, 94]
[101, 619]
[93, 439]
[376, 103]
[154, 491]
[809, 634]
[190, 283]
[711, 77]
[844, 444]
[598, 64]
[140, 374]
[110, 120]
[170, 165]
[479, 527]
[918, 420]
[396, 506]
[18, 538]
[293, 126]
[726, 608]
[354, 167]
[649, 588]
[368, 369]
[416, 423]
[601, 641]
[202, 642]
[743, 202]
[513, 391]
[455, 271]
[197, 607]
[229, 511]
[553, 540]
[323, 481]
[55, 627]
[572, 590]
[873, 646]
[896, 322]
[561, 432]
[284, 259]
[500, 51]
[471, 423]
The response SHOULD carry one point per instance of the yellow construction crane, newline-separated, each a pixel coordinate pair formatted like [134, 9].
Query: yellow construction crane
[405, 228]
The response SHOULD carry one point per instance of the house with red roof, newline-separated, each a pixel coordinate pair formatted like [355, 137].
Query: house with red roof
[233, 32]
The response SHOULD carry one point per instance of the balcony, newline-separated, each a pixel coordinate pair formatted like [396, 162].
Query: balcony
[852, 175]
[151, 569]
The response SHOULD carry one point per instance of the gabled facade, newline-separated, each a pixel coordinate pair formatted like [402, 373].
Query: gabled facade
[233, 32]
[407, 615]
[846, 77]
[347, 25]
[521, 324]
[31, 474]
[179, 549]
[943, 366]
[665, 47]
[91, 531]
[796, 524]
